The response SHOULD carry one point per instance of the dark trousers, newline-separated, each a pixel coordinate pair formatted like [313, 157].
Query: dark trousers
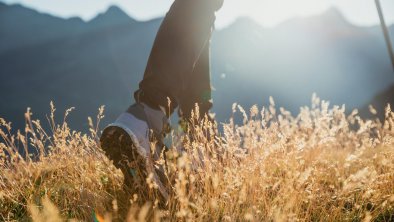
[179, 64]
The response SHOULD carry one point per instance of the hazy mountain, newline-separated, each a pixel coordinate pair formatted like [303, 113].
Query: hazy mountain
[21, 27]
[100, 62]
[324, 54]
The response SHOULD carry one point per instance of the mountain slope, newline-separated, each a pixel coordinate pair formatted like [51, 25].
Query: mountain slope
[379, 103]
[71, 69]
[340, 62]
[21, 27]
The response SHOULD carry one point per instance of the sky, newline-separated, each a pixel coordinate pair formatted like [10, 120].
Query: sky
[267, 12]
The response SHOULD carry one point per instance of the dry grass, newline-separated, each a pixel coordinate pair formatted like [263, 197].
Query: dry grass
[319, 166]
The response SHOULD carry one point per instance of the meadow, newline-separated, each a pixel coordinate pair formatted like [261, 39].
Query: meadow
[321, 165]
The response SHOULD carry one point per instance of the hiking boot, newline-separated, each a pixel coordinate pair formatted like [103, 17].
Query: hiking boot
[127, 142]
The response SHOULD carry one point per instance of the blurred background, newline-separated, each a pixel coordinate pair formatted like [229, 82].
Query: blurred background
[89, 53]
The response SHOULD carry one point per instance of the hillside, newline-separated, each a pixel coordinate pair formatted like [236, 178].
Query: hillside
[100, 62]
[379, 103]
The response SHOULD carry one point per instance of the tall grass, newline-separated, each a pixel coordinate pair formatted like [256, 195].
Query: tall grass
[318, 166]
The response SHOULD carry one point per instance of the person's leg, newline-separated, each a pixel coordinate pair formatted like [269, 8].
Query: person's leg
[199, 87]
[181, 39]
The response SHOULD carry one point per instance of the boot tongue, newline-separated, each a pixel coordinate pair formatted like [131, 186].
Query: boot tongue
[157, 120]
